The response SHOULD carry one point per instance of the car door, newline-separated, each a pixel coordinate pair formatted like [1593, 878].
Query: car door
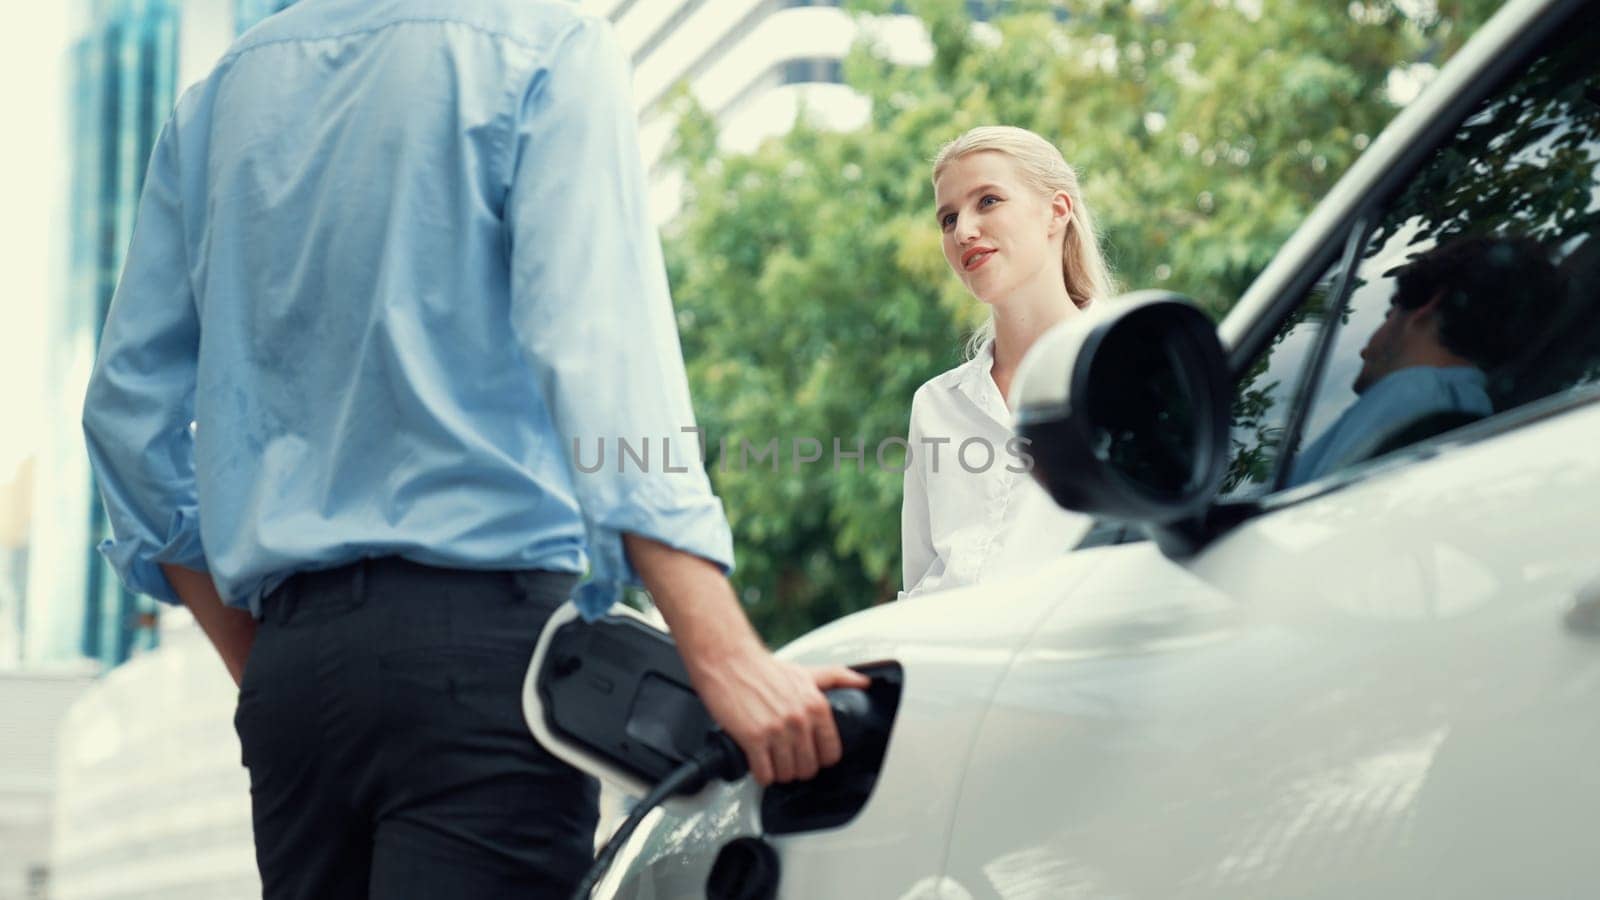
[1385, 682]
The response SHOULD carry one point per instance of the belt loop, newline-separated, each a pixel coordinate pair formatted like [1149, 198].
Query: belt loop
[288, 594]
[543, 587]
[358, 583]
[526, 584]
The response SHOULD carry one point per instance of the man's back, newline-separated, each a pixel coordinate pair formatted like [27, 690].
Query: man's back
[1401, 398]
[388, 215]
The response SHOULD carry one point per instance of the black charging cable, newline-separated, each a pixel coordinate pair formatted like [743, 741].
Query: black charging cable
[853, 716]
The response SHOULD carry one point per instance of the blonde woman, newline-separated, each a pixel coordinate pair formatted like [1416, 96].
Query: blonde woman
[1020, 237]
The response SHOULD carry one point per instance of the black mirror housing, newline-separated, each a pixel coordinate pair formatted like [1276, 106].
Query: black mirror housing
[1126, 409]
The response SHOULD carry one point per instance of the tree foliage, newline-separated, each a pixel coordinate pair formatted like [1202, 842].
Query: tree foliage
[814, 299]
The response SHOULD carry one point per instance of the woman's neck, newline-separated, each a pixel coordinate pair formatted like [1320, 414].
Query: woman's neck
[1017, 326]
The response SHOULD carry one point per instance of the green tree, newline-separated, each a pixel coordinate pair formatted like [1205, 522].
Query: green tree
[812, 293]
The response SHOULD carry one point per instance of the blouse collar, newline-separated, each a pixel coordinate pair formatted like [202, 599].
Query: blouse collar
[977, 385]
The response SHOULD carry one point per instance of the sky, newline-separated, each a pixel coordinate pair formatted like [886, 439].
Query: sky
[33, 177]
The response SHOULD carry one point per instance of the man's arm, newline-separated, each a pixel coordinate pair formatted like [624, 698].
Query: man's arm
[591, 308]
[232, 631]
[774, 710]
[139, 406]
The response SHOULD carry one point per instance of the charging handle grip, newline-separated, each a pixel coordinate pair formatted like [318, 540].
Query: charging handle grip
[853, 716]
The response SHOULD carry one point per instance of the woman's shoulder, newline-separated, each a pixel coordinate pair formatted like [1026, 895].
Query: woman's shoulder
[945, 380]
[939, 386]
[951, 378]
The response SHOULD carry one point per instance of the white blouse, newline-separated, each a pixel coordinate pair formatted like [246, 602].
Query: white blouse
[970, 509]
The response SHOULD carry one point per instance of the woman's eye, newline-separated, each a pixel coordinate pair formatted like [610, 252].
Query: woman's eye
[948, 221]
[988, 200]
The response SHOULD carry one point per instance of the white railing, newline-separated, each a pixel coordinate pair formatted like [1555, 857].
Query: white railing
[644, 19]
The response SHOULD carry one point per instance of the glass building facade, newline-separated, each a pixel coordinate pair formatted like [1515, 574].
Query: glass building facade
[125, 73]
[247, 13]
[125, 78]
[123, 70]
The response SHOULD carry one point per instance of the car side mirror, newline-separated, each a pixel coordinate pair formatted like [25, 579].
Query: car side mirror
[1126, 409]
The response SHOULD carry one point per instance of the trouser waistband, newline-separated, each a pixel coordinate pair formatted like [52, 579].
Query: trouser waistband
[353, 584]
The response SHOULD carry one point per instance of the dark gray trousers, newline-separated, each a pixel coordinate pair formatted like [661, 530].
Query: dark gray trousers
[380, 717]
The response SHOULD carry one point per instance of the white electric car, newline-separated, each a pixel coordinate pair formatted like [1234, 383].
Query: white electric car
[1376, 678]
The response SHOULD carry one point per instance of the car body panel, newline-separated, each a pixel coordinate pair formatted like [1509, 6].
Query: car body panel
[1370, 694]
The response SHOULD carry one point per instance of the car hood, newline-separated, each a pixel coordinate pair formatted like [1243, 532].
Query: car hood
[976, 628]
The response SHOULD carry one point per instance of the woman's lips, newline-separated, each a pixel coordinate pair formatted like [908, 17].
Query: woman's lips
[977, 259]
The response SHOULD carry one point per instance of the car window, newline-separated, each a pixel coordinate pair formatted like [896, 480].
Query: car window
[1266, 392]
[1475, 293]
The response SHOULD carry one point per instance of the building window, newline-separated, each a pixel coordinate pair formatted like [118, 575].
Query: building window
[813, 70]
[667, 29]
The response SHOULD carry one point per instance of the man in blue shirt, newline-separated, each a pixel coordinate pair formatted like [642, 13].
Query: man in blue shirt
[392, 268]
[1458, 310]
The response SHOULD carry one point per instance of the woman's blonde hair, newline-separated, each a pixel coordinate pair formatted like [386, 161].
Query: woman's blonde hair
[1083, 265]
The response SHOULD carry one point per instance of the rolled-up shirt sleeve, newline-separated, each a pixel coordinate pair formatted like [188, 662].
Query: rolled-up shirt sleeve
[140, 401]
[591, 308]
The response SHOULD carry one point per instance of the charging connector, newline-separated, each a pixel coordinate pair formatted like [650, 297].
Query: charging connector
[853, 716]
[612, 697]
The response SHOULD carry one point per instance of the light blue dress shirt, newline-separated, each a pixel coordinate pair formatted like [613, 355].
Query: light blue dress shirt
[392, 260]
[1396, 399]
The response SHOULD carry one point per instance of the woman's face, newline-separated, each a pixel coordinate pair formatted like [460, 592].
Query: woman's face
[1000, 237]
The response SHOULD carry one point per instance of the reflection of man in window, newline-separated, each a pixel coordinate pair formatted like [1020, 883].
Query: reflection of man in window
[1455, 315]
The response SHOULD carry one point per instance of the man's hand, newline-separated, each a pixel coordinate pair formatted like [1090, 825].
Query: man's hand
[232, 631]
[774, 710]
